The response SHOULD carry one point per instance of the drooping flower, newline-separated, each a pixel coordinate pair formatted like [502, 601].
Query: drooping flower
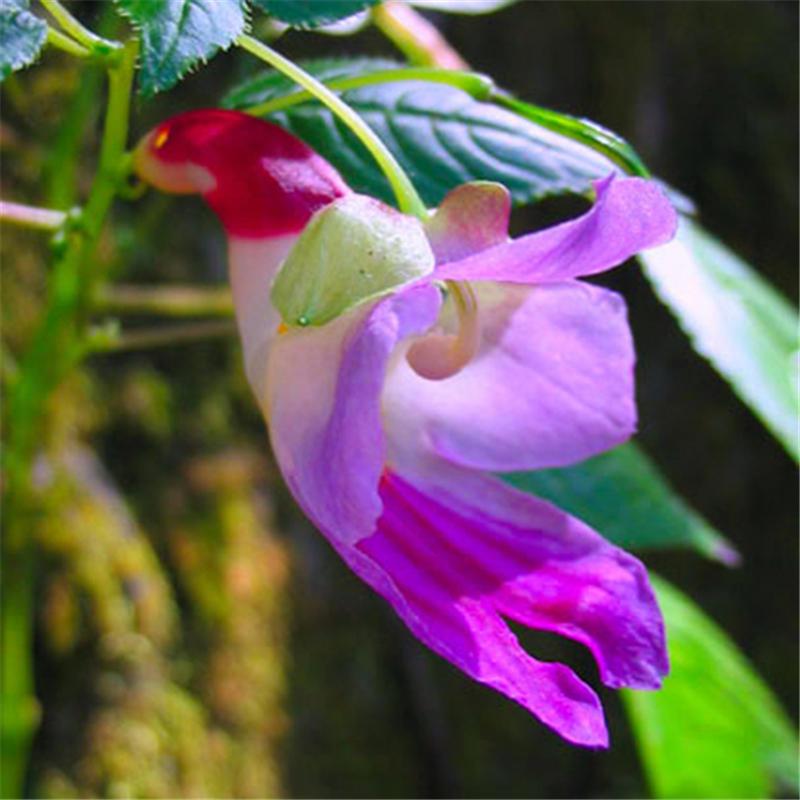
[413, 362]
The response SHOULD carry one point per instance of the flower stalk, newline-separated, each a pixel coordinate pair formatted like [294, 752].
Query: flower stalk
[408, 199]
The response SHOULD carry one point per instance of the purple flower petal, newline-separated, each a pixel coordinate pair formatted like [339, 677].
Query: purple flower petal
[455, 558]
[322, 401]
[630, 215]
[252, 265]
[551, 384]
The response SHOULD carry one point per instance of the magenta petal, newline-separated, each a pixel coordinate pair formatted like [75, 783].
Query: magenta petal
[630, 214]
[455, 558]
[551, 384]
[322, 402]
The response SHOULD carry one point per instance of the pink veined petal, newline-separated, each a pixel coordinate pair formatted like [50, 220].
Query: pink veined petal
[455, 559]
[322, 402]
[629, 215]
[551, 384]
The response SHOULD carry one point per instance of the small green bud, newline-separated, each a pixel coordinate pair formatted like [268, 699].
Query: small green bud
[352, 250]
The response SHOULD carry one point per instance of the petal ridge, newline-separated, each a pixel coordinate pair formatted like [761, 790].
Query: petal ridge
[629, 215]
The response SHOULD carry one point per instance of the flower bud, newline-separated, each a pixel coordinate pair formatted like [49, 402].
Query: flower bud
[352, 250]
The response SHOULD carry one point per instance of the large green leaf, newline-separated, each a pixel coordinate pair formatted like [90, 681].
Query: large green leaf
[312, 13]
[734, 318]
[440, 134]
[715, 730]
[176, 35]
[623, 495]
[22, 36]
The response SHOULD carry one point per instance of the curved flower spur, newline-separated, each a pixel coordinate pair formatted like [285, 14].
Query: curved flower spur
[399, 365]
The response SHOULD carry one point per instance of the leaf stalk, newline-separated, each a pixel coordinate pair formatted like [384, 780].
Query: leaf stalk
[96, 45]
[65, 43]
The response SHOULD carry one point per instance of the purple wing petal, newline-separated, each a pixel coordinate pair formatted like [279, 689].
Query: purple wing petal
[630, 215]
[322, 401]
[551, 384]
[454, 559]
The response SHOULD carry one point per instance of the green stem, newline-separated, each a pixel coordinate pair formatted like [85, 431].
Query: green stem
[62, 42]
[97, 45]
[20, 711]
[64, 150]
[43, 219]
[60, 170]
[162, 336]
[112, 169]
[474, 84]
[407, 198]
[170, 301]
[52, 353]
[416, 38]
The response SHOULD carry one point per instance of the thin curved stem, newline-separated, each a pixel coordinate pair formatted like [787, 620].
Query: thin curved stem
[407, 198]
[90, 40]
[473, 83]
[63, 42]
[416, 38]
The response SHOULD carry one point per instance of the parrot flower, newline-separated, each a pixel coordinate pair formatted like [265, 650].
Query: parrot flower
[400, 364]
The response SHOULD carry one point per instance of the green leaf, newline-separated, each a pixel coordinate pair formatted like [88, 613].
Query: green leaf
[441, 135]
[270, 84]
[622, 495]
[176, 35]
[714, 730]
[312, 13]
[736, 320]
[581, 130]
[22, 36]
